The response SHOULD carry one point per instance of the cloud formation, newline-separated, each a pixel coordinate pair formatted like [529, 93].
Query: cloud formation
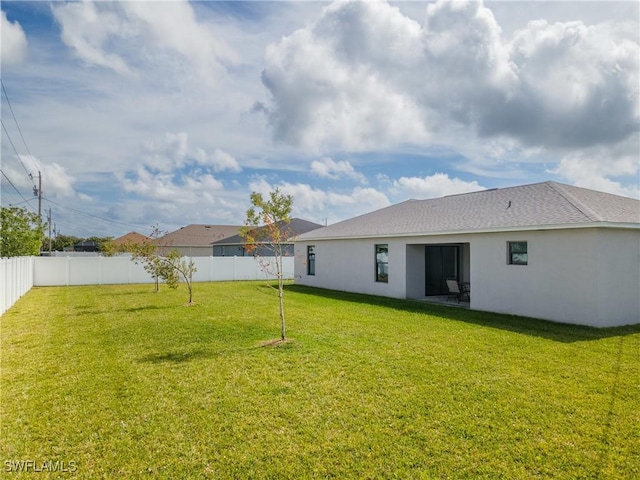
[14, 42]
[159, 110]
[172, 152]
[184, 188]
[132, 38]
[315, 203]
[433, 186]
[365, 75]
[328, 168]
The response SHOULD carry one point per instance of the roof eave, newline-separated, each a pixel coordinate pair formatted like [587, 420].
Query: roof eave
[523, 228]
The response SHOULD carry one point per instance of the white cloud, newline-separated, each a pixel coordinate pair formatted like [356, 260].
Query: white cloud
[319, 205]
[327, 89]
[172, 152]
[364, 76]
[328, 168]
[596, 168]
[578, 85]
[433, 186]
[14, 42]
[219, 160]
[450, 87]
[167, 153]
[359, 200]
[194, 188]
[174, 26]
[56, 181]
[86, 28]
[138, 38]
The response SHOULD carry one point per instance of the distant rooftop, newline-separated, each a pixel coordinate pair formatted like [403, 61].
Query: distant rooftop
[198, 235]
[131, 237]
[539, 205]
[297, 226]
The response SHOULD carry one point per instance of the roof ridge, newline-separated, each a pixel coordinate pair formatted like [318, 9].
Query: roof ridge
[563, 191]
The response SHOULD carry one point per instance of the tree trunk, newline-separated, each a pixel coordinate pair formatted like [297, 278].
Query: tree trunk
[280, 293]
[281, 298]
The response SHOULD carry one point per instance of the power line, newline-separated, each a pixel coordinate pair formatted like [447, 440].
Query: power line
[16, 121]
[11, 199]
[14, 187]
[36, 190]
[93, 216]
[16, 151]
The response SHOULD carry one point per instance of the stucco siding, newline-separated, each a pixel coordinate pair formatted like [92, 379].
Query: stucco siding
[416, 274]
[349, 265]
[558, 283]
[586, 276]
[618, 285]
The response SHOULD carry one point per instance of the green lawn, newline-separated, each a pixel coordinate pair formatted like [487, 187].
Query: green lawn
[126, 383]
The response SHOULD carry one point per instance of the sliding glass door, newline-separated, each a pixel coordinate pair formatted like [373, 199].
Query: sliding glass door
[441, 262]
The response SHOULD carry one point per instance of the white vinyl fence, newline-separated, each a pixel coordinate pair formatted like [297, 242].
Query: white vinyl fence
[16, 279]
[19, 274]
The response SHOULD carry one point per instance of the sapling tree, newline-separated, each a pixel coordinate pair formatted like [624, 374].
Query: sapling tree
[169, 266]
[266, 231]
[176, 266]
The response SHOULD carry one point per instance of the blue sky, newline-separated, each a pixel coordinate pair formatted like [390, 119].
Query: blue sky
[173, 112]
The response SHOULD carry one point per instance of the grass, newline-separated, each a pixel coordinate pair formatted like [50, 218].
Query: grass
[131, 384]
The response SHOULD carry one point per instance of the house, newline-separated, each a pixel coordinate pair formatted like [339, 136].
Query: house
[120, 243]
[196, 240]
[235, 245]
[86, 246]
[545, 250]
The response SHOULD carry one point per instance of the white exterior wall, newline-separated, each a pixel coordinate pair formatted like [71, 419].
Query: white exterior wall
[583, 276]
[559, 282]
[350, 265]
[618, 277]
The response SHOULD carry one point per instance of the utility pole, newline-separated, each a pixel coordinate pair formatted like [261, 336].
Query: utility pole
[49, 231]
[37, 192]
[40, 195]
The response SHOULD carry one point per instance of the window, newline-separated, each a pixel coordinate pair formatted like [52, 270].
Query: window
[311, 259]
[382, 263]
[517, 253]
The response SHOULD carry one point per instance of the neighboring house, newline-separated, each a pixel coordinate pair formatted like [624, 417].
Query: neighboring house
[235, 245]
[128, 239]
[196, 240]
[86, 246]
[546, 250]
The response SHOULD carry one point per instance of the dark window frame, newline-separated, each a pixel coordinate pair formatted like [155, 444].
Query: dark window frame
[382, 267]
[518, 252]
[311, 260]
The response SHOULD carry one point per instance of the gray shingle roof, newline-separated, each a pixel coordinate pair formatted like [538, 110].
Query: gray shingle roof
[297, 226]
[195, 235]
[540, 205]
